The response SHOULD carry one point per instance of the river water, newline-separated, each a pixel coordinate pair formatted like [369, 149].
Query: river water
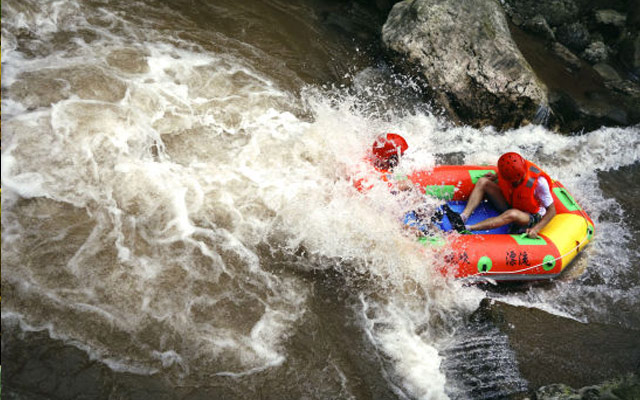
[177, 219]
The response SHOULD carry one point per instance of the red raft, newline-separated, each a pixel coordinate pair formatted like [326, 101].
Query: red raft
[496, 254]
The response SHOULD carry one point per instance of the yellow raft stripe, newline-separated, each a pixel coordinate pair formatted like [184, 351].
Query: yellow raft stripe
[566, 231]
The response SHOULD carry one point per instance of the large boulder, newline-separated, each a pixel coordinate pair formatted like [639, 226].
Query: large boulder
[465, 53]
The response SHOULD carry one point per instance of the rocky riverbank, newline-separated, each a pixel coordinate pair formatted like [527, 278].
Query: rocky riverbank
[625, 388]
[555, 361]
[573, 64]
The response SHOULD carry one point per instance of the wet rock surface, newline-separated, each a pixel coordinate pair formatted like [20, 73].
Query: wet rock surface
[596, 52]
[465, 53]
[583, 97]
[555, 12]
[625, 388]
[581, 59]
[574, 35]
[538, 25]
[559, 353]
[590, 38]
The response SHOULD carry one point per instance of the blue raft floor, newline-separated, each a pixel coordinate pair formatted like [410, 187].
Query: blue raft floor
[485, 210]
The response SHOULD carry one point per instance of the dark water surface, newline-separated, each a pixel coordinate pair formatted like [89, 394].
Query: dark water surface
[178, 220]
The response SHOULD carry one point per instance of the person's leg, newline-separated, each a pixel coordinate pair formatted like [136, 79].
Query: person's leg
[510, 216]
[490, 189]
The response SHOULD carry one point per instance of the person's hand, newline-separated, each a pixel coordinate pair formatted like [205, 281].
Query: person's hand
[404, 185]
[532, 233]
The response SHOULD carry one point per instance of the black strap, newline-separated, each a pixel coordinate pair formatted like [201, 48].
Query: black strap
[456, 220]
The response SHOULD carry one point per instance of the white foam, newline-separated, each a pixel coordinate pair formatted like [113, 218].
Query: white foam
[415, 362]
[99, 155]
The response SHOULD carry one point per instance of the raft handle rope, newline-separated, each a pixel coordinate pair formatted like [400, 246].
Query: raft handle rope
[576, 249]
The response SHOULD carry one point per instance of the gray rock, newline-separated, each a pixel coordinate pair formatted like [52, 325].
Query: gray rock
[465, 52]
[624, 388]
[555, 12]
[627, 88]
[630, 54]
[540, 27]
[582, 98]
[557, 391]
[574, 35]
[576, 114]
[610, 17]
[607, 72]
[611, 25]
[596, 52]
[517, 19]
[571, 60]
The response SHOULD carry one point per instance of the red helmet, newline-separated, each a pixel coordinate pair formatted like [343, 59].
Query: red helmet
[512, 166]
[387, 145]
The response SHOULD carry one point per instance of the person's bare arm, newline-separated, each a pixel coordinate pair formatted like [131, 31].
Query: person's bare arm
[533, 231]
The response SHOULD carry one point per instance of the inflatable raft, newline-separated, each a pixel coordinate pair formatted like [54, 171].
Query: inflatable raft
[498, 254]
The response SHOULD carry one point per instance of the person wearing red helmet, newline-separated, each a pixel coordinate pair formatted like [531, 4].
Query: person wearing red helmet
[387, 150]
[521, 191]
[384, 157]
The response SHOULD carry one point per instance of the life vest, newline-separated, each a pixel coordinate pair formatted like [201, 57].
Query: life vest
[522, 197]
[362, 181]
